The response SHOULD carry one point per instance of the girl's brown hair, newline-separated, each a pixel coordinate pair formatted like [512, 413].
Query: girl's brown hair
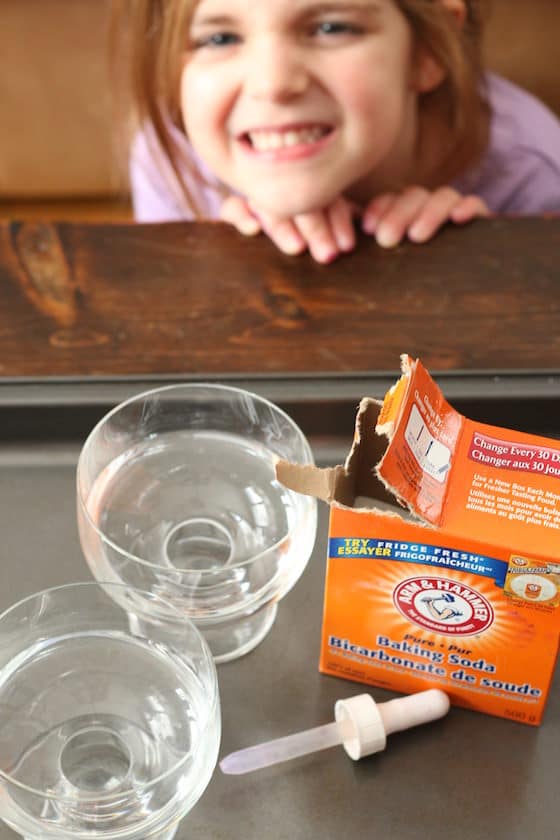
[459, 102]
[148, 39]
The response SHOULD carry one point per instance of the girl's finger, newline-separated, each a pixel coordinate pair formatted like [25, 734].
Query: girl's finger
[341, 222]
[397, 218]
[375, 211]
[470, 207]
[316, 229]
[283, 233]
[236, 212]
[435, 212]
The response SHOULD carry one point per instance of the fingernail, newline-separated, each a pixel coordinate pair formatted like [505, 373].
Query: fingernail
[369, 224]
[346, 244]
[325, 255]
[418, 233]
[291, 246]
[249, 227]
[386, 237]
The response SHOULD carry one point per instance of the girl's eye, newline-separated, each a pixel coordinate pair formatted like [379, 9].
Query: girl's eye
[335, 27]
[216, 39]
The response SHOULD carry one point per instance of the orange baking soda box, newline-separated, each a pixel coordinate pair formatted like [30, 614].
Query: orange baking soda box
[444, 553]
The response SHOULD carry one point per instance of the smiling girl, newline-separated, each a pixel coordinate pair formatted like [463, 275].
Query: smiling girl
[296, 118]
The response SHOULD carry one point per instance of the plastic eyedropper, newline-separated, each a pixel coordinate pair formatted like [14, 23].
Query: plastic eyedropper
[361, 725]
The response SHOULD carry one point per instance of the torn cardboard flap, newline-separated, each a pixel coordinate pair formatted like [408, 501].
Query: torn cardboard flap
[467, 478]
[369, 473]
[423, 431]
[355, 483]
[377, 469]
[311, 480]
[392, 403]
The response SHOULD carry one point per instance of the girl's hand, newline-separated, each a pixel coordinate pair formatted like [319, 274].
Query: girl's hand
[415, 213]
[418, 213]
[325, 233]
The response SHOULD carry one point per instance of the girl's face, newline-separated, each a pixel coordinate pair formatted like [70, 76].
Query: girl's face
[294, 102]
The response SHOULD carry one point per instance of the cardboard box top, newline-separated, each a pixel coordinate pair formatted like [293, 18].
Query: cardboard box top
[469, 479]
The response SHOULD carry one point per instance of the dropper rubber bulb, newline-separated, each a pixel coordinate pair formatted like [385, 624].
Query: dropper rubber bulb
[361, 725]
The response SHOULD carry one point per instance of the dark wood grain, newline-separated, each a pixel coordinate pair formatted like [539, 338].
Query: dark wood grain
[124, 299]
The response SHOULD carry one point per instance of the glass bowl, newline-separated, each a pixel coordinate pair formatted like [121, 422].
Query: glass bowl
[104, 733]
[177, 495]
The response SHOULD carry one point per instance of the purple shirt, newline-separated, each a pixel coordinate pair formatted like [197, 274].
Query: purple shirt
[518, 174]
[520, 171]
[156, 195]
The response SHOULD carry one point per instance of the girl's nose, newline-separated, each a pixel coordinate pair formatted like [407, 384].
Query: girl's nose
[276, 73]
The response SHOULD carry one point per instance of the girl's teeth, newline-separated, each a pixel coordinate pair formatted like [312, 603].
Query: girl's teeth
[264, 141]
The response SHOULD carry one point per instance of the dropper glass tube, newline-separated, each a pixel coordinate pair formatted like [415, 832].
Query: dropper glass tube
[361, 725]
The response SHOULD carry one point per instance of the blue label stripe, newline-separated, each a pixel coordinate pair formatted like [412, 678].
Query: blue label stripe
[441, 557]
